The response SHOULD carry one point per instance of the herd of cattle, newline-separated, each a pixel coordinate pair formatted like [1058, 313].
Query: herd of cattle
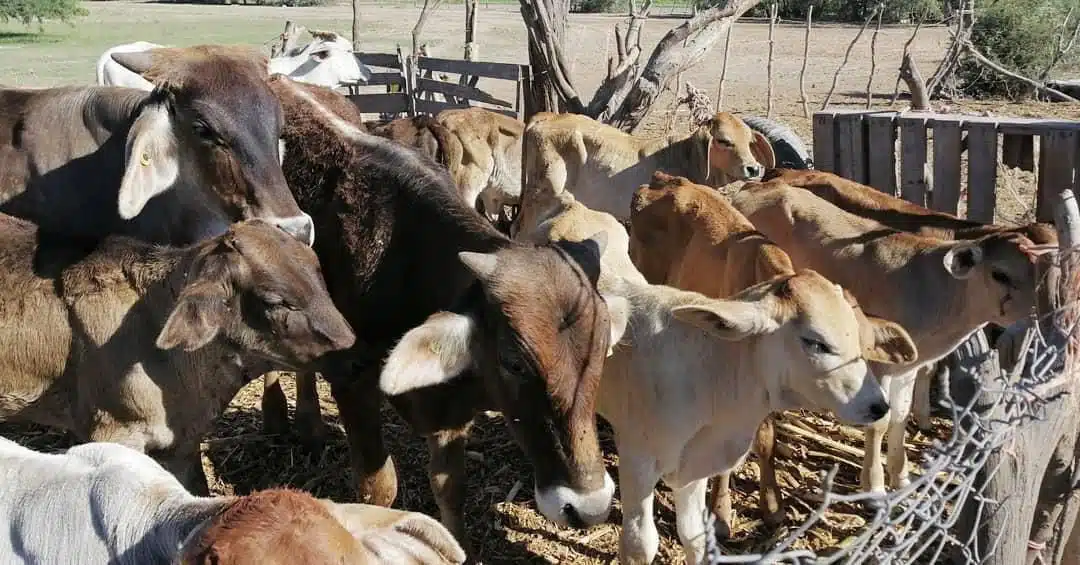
[167, 242]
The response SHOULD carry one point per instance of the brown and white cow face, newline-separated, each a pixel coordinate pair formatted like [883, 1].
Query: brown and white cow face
[731, 150]
[808, 344]
[262, 292]
[212, 123]
[537, 331]
[1000, 273]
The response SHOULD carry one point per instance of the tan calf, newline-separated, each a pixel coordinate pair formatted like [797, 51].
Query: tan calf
[602, 165]
[902, 215]
[488, 171]
[939, 290]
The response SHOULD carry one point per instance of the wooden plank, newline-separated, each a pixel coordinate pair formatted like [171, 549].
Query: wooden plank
[1057, 161]
[850, 147]
[378, 103]
[946, 195]
[1018, 151]
[1036, 126]
[982, 172]
[378, 79]
[433, 107]
[824, 147]
[386, 60]
[475, 68]
[913, 159]
[882, 152]
[460, 91]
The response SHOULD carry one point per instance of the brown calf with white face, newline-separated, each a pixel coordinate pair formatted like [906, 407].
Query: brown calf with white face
[463, 318]
[175, 166]
[602, 165]
[141, 345]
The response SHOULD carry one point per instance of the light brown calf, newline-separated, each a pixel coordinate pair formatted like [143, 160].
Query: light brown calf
[940, 291]
[602, 165]
[896, 213]
[488, 170]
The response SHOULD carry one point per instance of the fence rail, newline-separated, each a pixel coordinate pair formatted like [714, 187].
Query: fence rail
[409, 86]
[861, 145]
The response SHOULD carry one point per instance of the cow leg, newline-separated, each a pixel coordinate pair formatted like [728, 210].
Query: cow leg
[720, 504]
[185, 463]
[770, 502]
[275, 407]
[690, 519]
[899, 408]
[921, 408]
[309, 422]
[640, 541]
[359, 404]
[872, 477]
[446, 471]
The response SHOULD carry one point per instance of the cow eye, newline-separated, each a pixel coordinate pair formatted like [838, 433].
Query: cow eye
[724, 142]
[815, 347]
[203, 131]
[1001, 278]
[320, 55]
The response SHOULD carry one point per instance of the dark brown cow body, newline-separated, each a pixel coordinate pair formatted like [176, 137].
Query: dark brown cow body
[174, 166]
[137, 344]
[470, 319]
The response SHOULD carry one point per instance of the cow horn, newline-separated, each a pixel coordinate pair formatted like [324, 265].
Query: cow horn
[138, 62]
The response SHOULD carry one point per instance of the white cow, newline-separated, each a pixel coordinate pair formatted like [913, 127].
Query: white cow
[693, 376]
[107, 503]
[327, 61]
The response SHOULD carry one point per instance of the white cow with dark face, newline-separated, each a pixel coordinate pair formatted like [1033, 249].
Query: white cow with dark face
[327, 61]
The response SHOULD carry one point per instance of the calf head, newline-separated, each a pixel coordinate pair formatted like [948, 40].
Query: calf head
[280, 526]
[806, 341]
[537, 331]
[212, 121]
[327, 61]
[660, 225]
[727, 150]
[261, 293]
[1000, 273]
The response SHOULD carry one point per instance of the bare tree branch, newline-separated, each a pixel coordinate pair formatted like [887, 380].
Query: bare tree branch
[873, 57]
[1054, 94]
[723, 68]
[700, 33]
[425, 12]
[847, 55]
[546, 56]
[1065, 43]
[904, 57]
[805, 57]
[622, 68]
[769, 88]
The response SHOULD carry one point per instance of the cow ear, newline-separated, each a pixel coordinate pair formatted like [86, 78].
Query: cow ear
[138, 62]
[704, 148]
[731, 320]
[432, 353]
[619, 313]
[961, 260]
[398, 533]
[762, 150]
[892, 344]
[198, 316]
[152, 161]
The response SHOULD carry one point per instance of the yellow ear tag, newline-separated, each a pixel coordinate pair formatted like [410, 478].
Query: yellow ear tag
[434, 347]
[145, 159]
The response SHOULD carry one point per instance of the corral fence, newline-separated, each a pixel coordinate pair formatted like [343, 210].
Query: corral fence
[411, 85]
[1002, 489]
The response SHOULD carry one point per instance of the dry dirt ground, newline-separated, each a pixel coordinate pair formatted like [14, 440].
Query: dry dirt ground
[239, 458]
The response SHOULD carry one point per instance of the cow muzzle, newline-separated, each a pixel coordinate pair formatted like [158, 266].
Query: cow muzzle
[568, 507]
[301, 227]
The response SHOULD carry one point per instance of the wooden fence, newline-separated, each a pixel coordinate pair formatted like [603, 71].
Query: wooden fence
[409, 86]
[861, 145]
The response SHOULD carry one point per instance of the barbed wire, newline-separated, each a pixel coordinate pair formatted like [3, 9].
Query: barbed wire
[919, 522]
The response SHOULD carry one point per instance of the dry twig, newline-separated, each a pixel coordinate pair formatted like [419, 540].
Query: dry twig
[805, 56]
[847, 55]
[772, 30]
[873, 57]
[723, 69]
[903, 57]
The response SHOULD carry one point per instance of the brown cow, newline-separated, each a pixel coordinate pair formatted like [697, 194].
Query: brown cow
[602, 165]
[116, 505]
[142, 345]
[171, 166]
[464, 318]
[488, 173]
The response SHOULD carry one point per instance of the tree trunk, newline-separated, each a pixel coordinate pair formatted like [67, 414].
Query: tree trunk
[551, 88]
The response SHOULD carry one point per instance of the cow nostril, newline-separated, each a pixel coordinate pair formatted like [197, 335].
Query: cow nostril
[878, 410]
[572, 516]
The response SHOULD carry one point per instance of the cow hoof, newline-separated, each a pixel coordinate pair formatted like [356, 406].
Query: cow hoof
[380, 487]
[721, 530]
[275, 422]
[312, 432]
[773, 519]
[901, 482]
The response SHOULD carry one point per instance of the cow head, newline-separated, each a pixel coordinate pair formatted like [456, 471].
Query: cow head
[327, 61]
[726, 149]
[259, 291]
[808, 344]
[1000, 273]
[537, 331]
[210, 128]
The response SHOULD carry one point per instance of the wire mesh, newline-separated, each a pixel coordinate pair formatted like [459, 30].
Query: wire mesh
[920, 523]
